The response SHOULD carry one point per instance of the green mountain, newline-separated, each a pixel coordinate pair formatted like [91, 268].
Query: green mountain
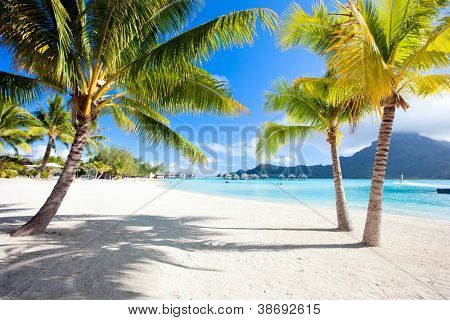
[413, 155]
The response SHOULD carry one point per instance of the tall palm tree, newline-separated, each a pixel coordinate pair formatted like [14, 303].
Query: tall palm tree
[389, 49]
[312, 105]
[55, 124]
[129, 59]
[14, 121]
[383, 50]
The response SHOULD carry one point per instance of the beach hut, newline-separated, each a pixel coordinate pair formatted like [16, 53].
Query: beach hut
[235, 176]
[292, 176]
[159, 175]
[281, 177]
[264, 176]
[180, 175]
[302, 176]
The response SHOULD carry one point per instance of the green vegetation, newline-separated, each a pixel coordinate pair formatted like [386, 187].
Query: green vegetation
[53, 124]
[14, 123]
[119, 163]
[10, 167]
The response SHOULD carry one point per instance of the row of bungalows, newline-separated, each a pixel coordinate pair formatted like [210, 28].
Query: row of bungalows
[243, 176]
[293, 177]
[170, 175]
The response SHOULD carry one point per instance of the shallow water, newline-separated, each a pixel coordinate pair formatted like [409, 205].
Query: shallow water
[417, 198]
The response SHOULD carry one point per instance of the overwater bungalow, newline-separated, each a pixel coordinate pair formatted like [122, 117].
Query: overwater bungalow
[244, 176]
[292, 176]
[255, 176]
[302, 176]
[281, 177]
[169, 175]
[235, 176]
[227, 176]
[263, 176]
[180, 175]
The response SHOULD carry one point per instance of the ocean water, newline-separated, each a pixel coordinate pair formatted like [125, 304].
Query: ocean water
[417, 198]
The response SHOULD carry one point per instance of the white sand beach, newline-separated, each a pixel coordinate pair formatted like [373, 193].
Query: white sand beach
[132, 239]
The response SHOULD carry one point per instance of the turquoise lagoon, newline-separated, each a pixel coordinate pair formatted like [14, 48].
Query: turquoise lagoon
[417, 198]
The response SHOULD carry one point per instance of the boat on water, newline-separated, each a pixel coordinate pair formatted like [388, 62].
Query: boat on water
[443, 190]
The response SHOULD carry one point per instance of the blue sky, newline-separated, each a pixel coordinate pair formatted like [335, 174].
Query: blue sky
[250, 71]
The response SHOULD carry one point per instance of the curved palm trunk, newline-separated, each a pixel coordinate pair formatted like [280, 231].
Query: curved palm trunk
[341, 201]
[40, 221]
[46, 156]
[371, 235]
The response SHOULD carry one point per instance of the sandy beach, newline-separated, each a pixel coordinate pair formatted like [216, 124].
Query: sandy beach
[133, 239]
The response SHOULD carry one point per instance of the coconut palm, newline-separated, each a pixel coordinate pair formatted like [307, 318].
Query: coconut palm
[14, 121]
[390, 50]
[312, 105]
[383, 50]
[95, 140]
[55, 124]
[127, 59]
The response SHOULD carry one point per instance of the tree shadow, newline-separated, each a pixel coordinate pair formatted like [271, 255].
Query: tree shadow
[92, 256]
[9, 207]
[272, 229]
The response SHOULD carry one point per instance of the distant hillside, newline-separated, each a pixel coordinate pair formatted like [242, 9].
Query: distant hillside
[414, 156]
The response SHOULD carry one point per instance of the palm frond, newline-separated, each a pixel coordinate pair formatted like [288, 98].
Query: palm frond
[273, 136]
[313, 31]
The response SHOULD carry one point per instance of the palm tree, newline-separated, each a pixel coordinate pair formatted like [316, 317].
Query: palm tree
[380, 49]
[95, 141]
[55, 124]
[312, 105]
[14, 121]
[100, 168]
[129, 59]
[388, 49]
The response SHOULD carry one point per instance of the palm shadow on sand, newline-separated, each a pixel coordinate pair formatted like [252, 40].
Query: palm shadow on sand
[100, 250]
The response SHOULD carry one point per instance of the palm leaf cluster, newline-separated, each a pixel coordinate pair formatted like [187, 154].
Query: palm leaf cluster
[14, 126]
[133, 59]
[311, 105]
[54, 123]
[378, 48]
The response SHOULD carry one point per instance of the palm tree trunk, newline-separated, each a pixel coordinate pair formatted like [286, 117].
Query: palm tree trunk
[41, 220]
[46, 155]
[371, 235]
[341, 201]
